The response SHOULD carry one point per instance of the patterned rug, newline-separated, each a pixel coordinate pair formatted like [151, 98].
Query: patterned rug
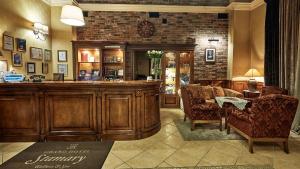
[225, 167]
[204, 132]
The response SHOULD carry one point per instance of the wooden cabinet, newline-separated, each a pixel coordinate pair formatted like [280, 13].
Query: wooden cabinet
[177, 71]
[98, 60]
[20, 119]
[79, 110]
[70, 113]
[118, 113]
[151, 116]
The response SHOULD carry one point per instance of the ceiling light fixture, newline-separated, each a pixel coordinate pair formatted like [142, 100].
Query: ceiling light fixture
[72, 15]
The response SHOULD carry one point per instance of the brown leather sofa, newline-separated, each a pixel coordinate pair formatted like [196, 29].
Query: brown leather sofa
[199, 103]
[269, 119]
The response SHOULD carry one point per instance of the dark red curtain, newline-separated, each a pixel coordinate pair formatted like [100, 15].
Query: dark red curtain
[271, 68]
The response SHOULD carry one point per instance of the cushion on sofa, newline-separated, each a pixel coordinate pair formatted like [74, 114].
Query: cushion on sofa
[194, 89]
[207, 91]
[218, 91]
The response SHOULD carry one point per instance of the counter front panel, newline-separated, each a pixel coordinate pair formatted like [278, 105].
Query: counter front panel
[79, 110]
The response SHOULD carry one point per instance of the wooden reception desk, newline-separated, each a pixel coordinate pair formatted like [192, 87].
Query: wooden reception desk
[79, 110]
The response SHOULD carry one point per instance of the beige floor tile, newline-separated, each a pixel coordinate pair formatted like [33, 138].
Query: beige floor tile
[145, 160]
[183, 159]
[164, 164]
[218, 156]
[169, 128]
[161, 150]
[145, 143]
[8, 155]
[174, 141]
[205, 163]
[250, 159]
[226, 148]
[125, 150]
[284, 164]
[112, 162]
[189, 154]
[124, 166]
[177, 133]
[16, 147]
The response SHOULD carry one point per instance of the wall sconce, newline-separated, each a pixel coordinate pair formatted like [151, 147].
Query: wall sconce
[213, 40]
[40, 31]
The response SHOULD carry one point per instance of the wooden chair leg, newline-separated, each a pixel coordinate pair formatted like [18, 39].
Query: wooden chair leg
[228, 130]
[193, 125]
[221, 128]
[286, 146]
[250, 141]
[184, 119]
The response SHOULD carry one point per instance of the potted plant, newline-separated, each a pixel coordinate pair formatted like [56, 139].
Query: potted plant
[155, 57]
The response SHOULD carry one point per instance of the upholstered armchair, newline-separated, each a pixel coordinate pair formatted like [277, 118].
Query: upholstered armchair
[197, 109]
[269, 119]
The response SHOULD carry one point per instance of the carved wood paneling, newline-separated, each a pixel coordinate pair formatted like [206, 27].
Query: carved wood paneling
[118, 112]
[71, 112]
[152, 113]
[19, 115]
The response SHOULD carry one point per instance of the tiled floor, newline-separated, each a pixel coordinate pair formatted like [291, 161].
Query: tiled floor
[167, 149]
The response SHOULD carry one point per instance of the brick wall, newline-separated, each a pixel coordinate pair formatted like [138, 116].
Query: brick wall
[180, 28]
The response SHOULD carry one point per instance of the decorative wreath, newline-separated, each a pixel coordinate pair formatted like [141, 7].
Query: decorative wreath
[145, 29]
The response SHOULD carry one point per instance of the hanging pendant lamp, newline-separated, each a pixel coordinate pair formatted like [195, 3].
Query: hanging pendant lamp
[72, 15]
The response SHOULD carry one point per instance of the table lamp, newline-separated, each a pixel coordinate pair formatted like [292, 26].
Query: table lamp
[252, 84]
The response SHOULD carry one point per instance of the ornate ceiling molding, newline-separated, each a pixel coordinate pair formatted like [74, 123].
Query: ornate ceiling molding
[152, 8]
[161, 8]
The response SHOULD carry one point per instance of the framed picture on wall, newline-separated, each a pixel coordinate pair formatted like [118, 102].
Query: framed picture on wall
[36, 53]
[30, 67]
[47, 55]
[16, 59]
[62, 55]
[3, 66]
[62, 68]
[45, 68]
[210, 55]
[8, 42]
[21, 45]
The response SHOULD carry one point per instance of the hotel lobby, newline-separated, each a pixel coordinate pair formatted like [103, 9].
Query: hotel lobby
[90, 84]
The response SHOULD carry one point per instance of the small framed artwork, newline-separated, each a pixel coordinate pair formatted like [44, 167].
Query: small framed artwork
[3, 66]
[45, 68]
[210, 55]
[30, 67]
[8, 42]
[16, 58]
[62, 55]
[47, 55]
[21, 45]
[36, 53]
[62, 68]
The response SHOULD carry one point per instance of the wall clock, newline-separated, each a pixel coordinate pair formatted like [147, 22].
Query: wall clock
[145, 29]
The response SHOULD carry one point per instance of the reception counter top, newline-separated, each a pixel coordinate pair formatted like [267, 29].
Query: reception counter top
[79, 110]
